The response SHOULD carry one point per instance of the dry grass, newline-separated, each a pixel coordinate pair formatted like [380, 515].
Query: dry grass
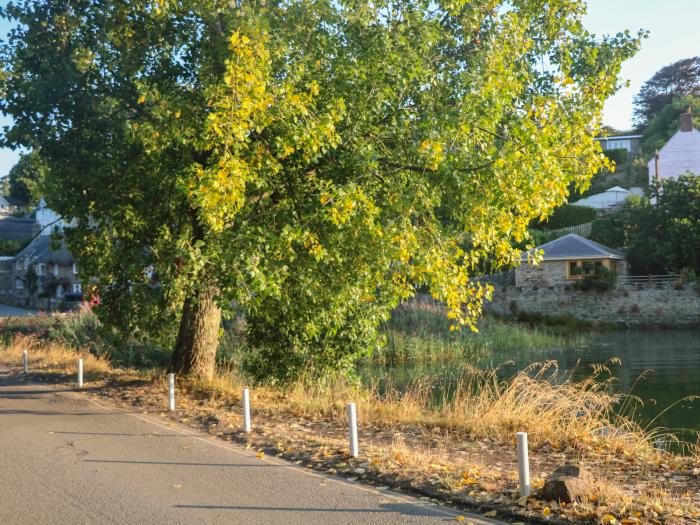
[54, 357]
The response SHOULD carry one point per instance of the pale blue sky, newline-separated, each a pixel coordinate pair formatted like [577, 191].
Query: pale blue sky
[672, 25]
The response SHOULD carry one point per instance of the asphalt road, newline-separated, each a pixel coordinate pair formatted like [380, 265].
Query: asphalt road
[13, 311]
[65, 458]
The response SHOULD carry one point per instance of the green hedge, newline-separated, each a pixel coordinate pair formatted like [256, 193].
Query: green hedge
[568, 215]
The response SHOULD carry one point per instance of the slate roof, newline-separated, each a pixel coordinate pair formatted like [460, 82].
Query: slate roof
[574, 246]
[16, 228]
[40, 250]
[15, 201]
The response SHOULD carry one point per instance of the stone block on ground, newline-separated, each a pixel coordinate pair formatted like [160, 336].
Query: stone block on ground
[568, 483]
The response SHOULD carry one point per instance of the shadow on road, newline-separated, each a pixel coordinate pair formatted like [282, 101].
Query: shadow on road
[180, 464]
[386, 508]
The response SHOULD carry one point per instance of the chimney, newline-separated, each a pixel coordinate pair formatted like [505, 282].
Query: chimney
[687, 121]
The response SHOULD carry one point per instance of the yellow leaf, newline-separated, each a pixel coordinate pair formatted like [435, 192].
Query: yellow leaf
[459, 518]
[471, 481]
[260, 455]
[490, 514]
[546, 511]
[608, 519]
[141, 99]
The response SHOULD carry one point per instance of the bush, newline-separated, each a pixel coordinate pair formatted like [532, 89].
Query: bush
[568, 215]
[603, 280]
[618, 156]
[609, 230]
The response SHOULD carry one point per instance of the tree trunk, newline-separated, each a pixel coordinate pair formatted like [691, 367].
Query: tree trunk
[198, 336]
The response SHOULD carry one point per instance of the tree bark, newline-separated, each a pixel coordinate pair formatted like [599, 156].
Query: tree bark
[198, 336]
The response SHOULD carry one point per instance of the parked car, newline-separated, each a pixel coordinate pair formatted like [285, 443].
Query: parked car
[72, 301]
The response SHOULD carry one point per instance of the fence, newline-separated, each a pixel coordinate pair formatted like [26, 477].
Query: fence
[647, 281]
[584, 230]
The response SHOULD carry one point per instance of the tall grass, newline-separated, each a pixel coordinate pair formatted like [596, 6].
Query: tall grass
[419, 331]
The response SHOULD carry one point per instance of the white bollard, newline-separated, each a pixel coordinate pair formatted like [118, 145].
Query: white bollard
[80, 373]
[171, 391]
[352, 430]
[25, 362]
[246, 411]
[523, 464]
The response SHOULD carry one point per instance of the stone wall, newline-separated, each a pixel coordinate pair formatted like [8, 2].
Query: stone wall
[646, 307]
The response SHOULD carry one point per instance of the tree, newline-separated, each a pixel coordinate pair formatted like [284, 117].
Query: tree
[667, 122]
[311, 162]
[661, 238]
[675, 80]
[26, 177]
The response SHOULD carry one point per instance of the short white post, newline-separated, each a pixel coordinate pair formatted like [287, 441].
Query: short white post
[80, 373]
[523, 465]
[25, 362]
[352, 430]
[246, 411]
[171, 391]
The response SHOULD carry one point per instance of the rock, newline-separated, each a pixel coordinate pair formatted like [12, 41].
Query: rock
[568, 483]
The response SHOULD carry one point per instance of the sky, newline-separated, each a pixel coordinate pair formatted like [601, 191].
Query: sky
[672, 26]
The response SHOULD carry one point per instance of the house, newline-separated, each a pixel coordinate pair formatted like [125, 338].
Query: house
[631, 143]
[10, 205]
[566, 260]
[609, 200]
[680, 155]
[44, 272]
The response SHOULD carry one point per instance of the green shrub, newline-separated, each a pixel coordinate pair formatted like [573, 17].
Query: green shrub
[618, 156]
[601, 280]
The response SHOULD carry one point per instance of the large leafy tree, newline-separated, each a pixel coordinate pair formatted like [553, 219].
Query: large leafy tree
[308, 161]
[675, 80]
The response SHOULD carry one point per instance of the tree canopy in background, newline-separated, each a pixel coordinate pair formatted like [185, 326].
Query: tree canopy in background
[311, 162]
[667, 122]
[25, 178]
[662, 238]
[673, 81]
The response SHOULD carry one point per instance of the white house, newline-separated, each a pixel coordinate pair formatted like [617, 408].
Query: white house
[47, 221]
[609, 199]
[680, 155]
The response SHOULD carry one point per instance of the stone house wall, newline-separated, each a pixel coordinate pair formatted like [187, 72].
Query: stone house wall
[553, 273]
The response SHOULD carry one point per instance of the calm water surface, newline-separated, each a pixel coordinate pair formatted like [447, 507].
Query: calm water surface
[670, 358]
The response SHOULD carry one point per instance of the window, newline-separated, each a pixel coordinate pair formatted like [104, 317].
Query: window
[579, 269]
[40, 269]
[19, 284]
[75, 269]
[77, 288]
[19, 265]
[26, 264]
[55, 270]
[59, 290]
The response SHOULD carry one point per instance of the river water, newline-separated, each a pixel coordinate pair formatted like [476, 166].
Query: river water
[670, 360]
